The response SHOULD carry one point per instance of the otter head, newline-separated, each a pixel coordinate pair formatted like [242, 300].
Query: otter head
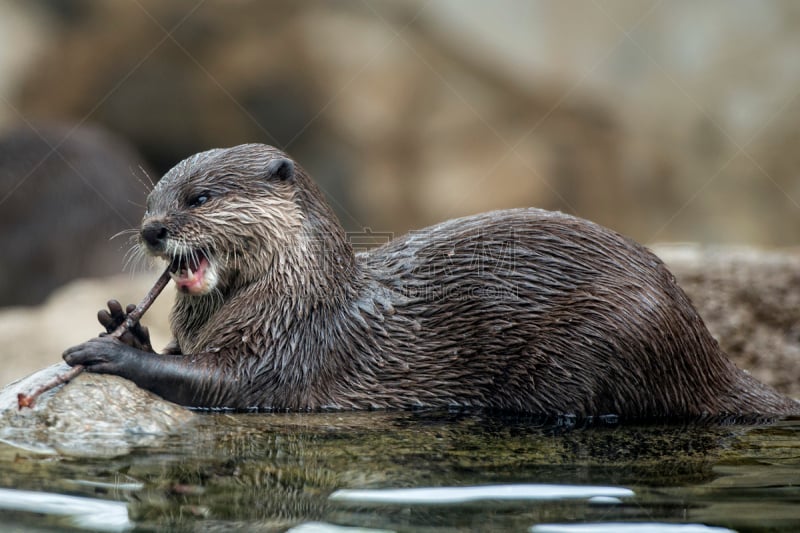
[223, 215]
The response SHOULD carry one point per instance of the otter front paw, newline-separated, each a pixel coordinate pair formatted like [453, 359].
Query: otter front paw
[104, 355]
[137, 336]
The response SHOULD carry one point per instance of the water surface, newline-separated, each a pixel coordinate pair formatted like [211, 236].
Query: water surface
[421, 471]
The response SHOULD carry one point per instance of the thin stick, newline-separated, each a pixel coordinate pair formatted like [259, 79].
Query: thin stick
[136, 315]
[27, 400]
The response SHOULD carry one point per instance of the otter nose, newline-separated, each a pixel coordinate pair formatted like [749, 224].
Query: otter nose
[154, 234]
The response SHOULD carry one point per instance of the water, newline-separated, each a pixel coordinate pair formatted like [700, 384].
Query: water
[420, 471]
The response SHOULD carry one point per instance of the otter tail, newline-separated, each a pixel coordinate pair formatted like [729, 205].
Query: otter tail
[747, 395]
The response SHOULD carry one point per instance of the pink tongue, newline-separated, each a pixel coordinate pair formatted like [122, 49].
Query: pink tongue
[187, 280]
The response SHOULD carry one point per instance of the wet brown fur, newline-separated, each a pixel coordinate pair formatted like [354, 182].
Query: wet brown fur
[523, 309]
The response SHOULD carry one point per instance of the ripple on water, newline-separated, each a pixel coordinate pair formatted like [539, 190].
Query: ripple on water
[451, 495]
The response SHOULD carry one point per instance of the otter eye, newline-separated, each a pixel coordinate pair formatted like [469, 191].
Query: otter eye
[198, 199]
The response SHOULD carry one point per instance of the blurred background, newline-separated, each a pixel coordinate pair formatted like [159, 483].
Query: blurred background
[664, 120]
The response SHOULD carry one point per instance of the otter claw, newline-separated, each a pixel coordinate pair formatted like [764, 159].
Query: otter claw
[103, 355]
[137, 336]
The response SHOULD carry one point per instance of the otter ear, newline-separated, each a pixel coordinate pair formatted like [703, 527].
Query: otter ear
[281, 167]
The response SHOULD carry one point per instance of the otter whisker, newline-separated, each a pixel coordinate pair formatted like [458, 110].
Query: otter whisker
[237, 257]
[129, 231]
[134, 257]
[227, 261]
[134, 248]
[216, 298]
[191, 259]
[137, 204]
[132, 253]
[147, 188]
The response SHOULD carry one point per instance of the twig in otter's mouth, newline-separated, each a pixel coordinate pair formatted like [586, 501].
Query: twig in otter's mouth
[27, 400]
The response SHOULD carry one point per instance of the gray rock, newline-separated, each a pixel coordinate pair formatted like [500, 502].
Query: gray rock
[94, 415]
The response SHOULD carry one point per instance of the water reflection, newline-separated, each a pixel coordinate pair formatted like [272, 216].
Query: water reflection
[85, 513]
[384, 471]
[451, 495]
[636, 527]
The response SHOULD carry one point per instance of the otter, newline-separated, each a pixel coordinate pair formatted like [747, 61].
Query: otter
[523, 310]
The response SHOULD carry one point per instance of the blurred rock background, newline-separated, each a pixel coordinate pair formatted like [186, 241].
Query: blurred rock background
[666, 121]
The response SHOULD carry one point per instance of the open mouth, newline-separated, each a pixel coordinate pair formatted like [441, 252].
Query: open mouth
[189, 272]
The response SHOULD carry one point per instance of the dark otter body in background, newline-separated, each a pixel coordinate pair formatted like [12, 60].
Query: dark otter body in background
[524, 309]
[63, 193]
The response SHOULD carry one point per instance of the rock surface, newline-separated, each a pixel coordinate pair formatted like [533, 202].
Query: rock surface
[94, 415]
